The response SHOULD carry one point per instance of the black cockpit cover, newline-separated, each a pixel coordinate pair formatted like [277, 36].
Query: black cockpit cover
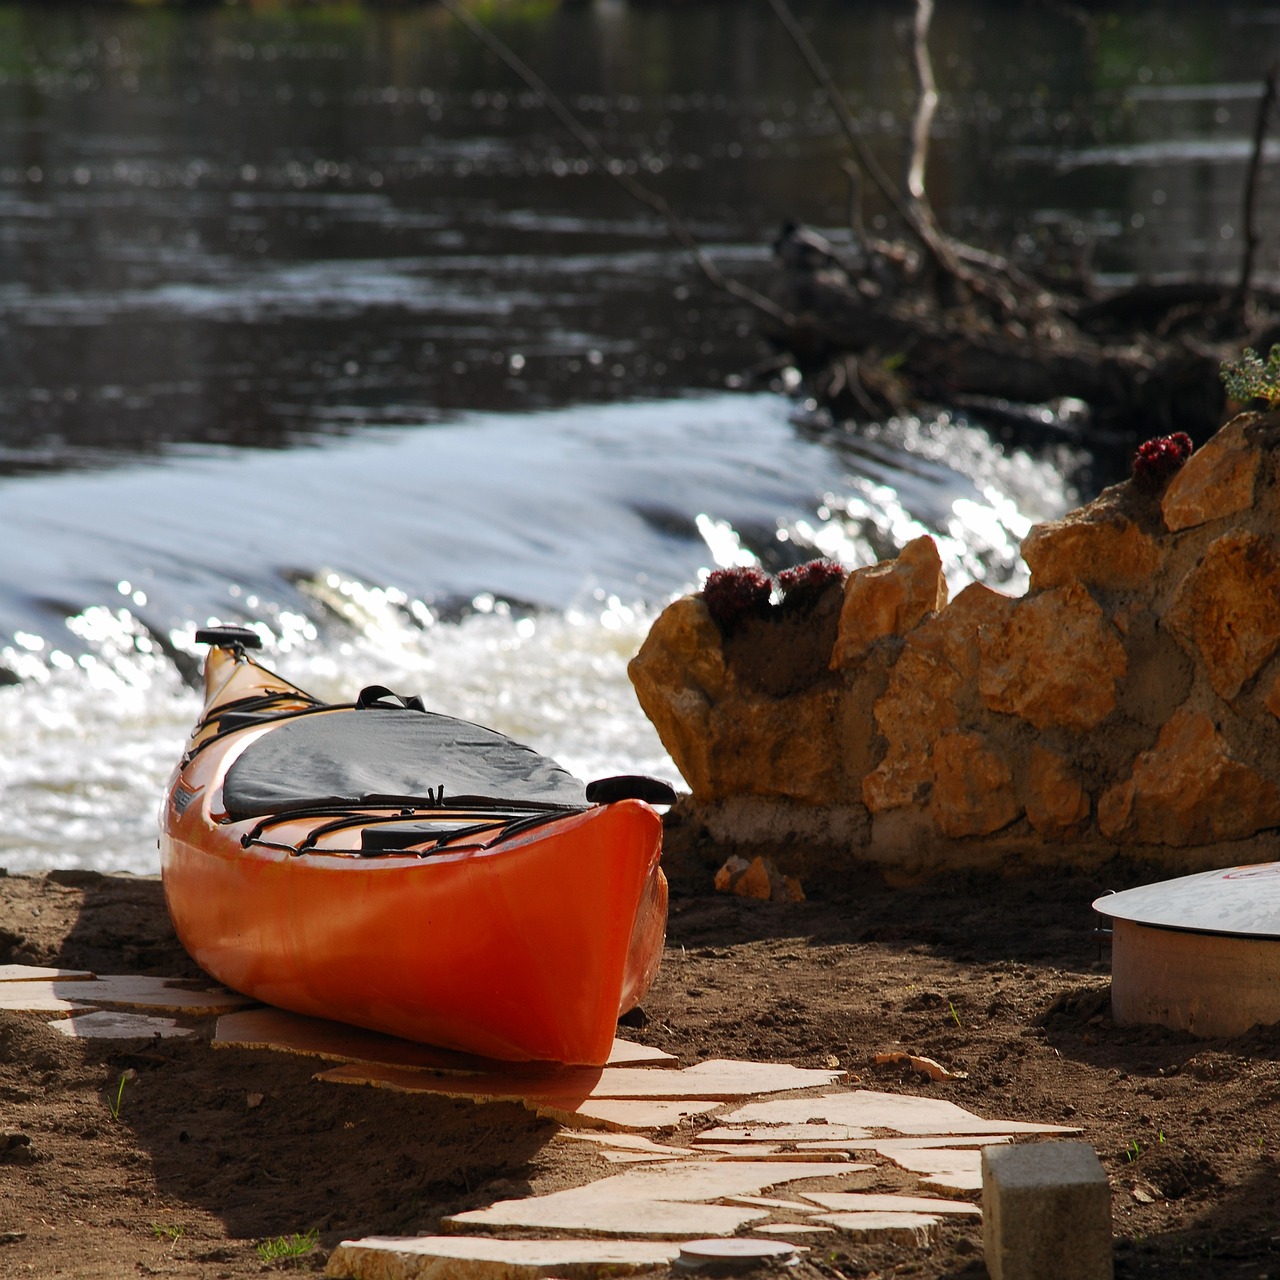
[347, 757]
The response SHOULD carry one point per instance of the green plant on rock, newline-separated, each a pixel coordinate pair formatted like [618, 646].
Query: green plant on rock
[1249, 378]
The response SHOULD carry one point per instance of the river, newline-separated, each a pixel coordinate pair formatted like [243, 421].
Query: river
[313, 318]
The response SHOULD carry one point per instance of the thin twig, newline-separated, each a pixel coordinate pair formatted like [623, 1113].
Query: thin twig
[614, 167]
[1251, 186]
[914, 214]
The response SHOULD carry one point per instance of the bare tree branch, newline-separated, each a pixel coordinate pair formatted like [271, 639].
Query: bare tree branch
[614, 167]
[1265, 107]
[926, 102]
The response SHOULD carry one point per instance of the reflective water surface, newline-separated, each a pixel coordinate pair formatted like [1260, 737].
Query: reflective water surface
[314, 318]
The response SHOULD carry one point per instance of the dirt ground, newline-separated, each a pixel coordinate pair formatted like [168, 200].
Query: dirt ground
[1002, 980]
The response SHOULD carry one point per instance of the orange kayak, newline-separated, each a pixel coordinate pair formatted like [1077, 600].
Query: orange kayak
[385, 866]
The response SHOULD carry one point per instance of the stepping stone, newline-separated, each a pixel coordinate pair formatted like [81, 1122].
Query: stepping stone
[887, 1146]
[112, 1024]
[30, 1000]
[285, 1032]
[667, 1200]
[942, 1168]
[783, 1133]
[633, 1142]
[793, 1230]
[768, 1151]
[897, 1112]
[720, 1081]
[463, 1258]
[638, 1157]
[767, 1202]
[38, 973]
[69, 995]
[916, 1230]
[876, 1202]
[622, 1115]
[627, 1053]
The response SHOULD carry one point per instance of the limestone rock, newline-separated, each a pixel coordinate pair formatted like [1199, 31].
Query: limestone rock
[678, 675]
[951, 635]
[1218, 480]
[888, 599]
[782, 747]
[973, 793]
[1227, 609]
[759, 879]
[1057, 802]
[1097, 545]
[1189, 789]
[1056, 663]
[917, 705]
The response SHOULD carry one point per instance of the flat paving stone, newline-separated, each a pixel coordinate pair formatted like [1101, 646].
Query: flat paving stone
[633, 1142]
[896, 1112]
[942, 1168]
[478, 1258]
[285, 1032]
[766, 1151]
[772, 1204]
[113, 1024]
[38, 973]
[783, 1133]
[916, 1230]
[670, 1200]
[719, 1081]
[793, 1230]
[620, 1115]
[66, 995]
[877, 1202]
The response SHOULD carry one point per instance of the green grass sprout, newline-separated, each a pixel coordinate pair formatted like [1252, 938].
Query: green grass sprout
[288, 1248]
[114, 1104]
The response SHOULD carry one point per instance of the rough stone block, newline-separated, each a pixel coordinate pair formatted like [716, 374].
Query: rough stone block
[1046, 1212]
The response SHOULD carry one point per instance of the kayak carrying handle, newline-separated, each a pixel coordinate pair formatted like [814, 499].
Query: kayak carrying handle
[229, 637]
[378, 695]
[629, 786]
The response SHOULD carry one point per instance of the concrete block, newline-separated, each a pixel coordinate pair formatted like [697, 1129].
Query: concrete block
[1046, 1212]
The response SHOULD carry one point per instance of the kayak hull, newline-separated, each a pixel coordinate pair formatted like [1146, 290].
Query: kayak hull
[524, 947]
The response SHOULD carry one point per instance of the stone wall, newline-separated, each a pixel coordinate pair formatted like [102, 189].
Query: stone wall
[1128, 704]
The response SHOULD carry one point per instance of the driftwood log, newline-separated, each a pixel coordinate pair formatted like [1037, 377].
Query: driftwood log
[925, 320]
[870, 351]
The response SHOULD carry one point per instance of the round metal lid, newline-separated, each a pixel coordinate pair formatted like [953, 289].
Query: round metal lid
[1241, 901]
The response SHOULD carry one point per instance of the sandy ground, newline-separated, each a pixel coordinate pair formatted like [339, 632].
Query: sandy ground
[1002, 980]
